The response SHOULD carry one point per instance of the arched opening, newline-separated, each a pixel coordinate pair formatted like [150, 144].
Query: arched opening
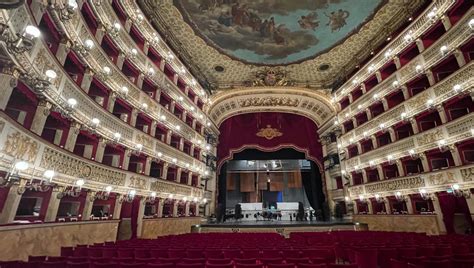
[270, 159]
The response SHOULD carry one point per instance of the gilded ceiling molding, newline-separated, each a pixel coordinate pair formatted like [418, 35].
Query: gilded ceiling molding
[312, 104]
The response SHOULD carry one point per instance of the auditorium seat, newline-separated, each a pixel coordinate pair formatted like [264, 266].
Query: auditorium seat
[169, 260]
[109, 252]
[297, 260]
[220, 265]
[245, 261]
[78, 264]
[384, 255]
[218, 261]
[267, 261]
[214, 254]
[248, 265]
[271, 253]
[332, 265]
[67, 251]
[281, 265]
[195, 253]
[398, 264]
[125, 253]
[232, 253]
[160, 265]
[437, 264]
[463, 263]
[366, 258]
[104, 265]
[251, 253]
[141, 253]
[59, 264]
[36, 258]
[131, 265]
[190, 265]
[156, 253]
[311, 265]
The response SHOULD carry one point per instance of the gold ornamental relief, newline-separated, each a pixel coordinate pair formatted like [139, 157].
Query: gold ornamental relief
[467, 174]
[138, 182]
[269, 101]
[20, 147]
[441, 178]
[269, 133]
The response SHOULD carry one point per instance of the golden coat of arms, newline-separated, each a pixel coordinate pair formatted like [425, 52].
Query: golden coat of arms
[269, 133]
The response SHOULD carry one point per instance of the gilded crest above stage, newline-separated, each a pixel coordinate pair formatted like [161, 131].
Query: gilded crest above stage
[275, 31]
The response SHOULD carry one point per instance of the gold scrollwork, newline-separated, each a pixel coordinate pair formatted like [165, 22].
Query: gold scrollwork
[269, 101]
[269, 133]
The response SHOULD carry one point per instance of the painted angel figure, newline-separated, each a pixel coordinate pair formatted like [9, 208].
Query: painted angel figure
[337, 19]
[309, 21]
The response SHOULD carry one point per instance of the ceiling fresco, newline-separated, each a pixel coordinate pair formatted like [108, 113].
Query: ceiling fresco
[275, 32]
[230, 44]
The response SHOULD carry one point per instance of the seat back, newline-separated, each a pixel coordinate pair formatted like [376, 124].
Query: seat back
[366, 258]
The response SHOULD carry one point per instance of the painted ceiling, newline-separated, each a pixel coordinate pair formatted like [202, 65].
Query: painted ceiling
[229, 43]
[274, 32]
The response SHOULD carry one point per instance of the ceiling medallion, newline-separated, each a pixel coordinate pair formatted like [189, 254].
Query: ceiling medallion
[269, 133]
[271, 77]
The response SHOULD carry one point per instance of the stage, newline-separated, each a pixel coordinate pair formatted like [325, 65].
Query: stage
[282, 227]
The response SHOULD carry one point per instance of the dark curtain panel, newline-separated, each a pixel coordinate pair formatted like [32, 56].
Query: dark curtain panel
[134, 218]
[450, 205]
[313, 187]
[222, 189]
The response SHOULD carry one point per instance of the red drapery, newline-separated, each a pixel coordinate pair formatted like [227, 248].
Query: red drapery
[240, 132]
[450, 205]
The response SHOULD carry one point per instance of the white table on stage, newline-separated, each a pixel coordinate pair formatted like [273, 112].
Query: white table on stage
[285, 208]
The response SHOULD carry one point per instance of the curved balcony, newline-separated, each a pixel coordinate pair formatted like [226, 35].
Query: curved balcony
[398, 44]
[458, 35]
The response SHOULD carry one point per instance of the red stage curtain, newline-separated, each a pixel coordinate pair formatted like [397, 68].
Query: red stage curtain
[449, 206]
[240, 132]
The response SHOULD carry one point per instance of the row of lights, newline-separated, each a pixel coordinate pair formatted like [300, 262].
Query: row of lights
[50, 174]
[408, 38]
[430, 103]
[89, 44]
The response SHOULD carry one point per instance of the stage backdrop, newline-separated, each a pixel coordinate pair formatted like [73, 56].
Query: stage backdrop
[268, 132]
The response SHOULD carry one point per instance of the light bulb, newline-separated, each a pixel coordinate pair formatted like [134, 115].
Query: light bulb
[21, 166]
[80, 182]
[51, 74]
[72, 102]
[31, 32]
[49, 174]
[153, 194]
[108, 188]
[88, 44]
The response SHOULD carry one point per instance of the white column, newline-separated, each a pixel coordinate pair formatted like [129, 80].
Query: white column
[133, 117]
[11, 206]
[470, 204]
[439, 214]
[88, 205]
[190, 178]
[120, 60]
[387, 206]
[147, 165]
[161, 203]
[53, 206]
[380, 172]
[141, 214]
[99, 153]
[164, 173]
[355, 208]
[111, 102]
[126, 159]
[117, 208]
[175, 208]
[186, 209]
[409, 204]
[178, 175]
[8, 82]
[74, 130]
[442, 114]
[63, 50]
[87, 80]
[39, 119]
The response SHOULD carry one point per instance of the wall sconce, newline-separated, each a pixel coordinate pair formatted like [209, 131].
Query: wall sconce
[21, 42]
[395, 84]
[456, 191]
[372, 164]
[444, 50]
[430, 103]
[378, 199]
[442, 145]
[94, 123]
[471, 24]
[419, 69]
[390, 159]
[114, 30]
[362, 199]
[117, 137]
[128, 197]
[432, 15]
[67, 11]
[424, 194]
[413, 154]
[408, 37]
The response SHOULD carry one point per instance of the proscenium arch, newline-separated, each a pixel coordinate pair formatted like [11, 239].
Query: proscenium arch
[313, 104]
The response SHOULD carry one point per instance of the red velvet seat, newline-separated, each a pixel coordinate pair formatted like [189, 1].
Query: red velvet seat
[384, 256]
[193, 260]
[77, 259]
[312, 265]
[437, 264]
[59, 264]
[281, 265]
[158, 253]
[245, 261]
[465, 263]
[94, 252]
[297, 260]
[248, 265]
[406, 252]
[218, 261]
[104, 265]
[190, 265]
[398, 264]
[78, 264]
[36, 258]
[271, 253]
[214, 253]
[125, 253]
[332, 265]
[142, 253]
[366, 258]
[195, 253]
[250, 253]
[232, 253]
[67, 251]
[220, 265]
[267, 261]
[160, 265]
[56, 259]
[169, 260]
[109, 252]
[176, 253]
[131, 265]
[425, 251]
